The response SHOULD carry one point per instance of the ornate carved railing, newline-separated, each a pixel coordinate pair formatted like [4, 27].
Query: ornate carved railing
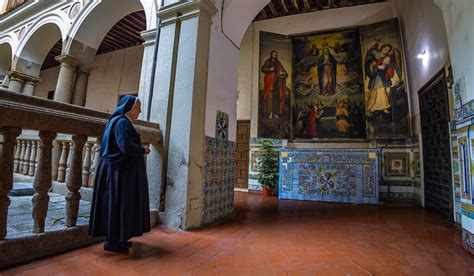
[34, 157]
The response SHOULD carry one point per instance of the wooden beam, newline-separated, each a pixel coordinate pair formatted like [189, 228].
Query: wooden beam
[307, 6]
[295, 4]
[283, 5]
[273, 9]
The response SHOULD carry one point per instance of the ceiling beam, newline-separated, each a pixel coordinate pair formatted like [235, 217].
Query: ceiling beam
[295, 4]
[283, 5]
[273, 9]
[307, 6]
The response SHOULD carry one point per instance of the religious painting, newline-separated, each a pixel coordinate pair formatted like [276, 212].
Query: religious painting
[396, 164]
[384, 81]
[327, 88]
[274, 107]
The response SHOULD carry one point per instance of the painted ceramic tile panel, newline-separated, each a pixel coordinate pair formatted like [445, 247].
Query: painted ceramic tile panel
[465, 168]
[396, 164]
[274, 86]
[328, 92]
[343, 175]
[384, 81]
[416, 165]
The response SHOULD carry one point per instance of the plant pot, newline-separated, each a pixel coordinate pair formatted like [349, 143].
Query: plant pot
[267, 192]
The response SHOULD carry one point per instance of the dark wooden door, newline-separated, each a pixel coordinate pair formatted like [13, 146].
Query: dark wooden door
[243, 140]
[434, 112]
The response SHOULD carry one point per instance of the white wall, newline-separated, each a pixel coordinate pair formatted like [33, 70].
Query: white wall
[423, 30]
[459, 19]
[117, 73]
[290, 25]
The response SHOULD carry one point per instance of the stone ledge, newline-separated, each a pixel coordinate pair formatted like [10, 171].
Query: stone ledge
[22, 250]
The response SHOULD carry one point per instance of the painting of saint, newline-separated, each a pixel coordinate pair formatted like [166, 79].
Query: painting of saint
[385, 83]
[274, 107]
[328, 92]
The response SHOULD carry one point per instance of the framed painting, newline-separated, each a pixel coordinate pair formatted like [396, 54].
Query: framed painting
[274, 106]
[328, 101]
[387, 107]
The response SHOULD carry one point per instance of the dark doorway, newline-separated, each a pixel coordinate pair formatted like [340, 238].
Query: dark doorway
[434, 112]
[243, 143]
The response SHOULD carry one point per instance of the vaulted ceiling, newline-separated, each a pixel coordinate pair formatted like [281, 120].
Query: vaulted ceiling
[124, 34]
[278, 8]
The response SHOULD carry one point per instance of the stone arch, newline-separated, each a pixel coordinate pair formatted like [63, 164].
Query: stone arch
[238, 15]
[37, 42]
[6, 54]
[101, 17]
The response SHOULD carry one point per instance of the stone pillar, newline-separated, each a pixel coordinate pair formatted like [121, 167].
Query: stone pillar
[7, 144]
[74, 181]
[16, 163]
[16, 82]
[32, 166]
[86, 165]
[63, 163]
[146, 70]
[22, 83]
[80, 88]
[66, 77]
[26, 163]
[29, 88]
[186, 33]
[22, 156]
[42, 181]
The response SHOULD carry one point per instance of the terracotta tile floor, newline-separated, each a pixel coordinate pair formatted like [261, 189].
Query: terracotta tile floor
[271, 237]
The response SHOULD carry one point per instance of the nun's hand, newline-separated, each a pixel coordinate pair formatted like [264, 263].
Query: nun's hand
[146, 149]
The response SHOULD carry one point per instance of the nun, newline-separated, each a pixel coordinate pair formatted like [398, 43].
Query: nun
[120, 208]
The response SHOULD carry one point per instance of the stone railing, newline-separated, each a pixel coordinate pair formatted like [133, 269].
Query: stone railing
[27, 153]
[20, 112]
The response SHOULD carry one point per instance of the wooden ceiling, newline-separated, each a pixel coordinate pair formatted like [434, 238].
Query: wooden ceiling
[124, 34]
[278, 8]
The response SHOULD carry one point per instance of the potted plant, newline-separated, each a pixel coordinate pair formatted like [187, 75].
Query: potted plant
[268, 169]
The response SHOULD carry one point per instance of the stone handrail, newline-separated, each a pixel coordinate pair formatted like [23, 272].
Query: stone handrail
[49, 118]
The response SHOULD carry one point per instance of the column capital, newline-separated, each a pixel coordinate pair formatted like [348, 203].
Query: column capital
[149, 36]
[86, 68]
[68, 60]
[18, 76]
[185, 9]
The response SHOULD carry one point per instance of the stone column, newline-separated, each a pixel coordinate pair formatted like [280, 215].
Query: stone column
[7, 144]
[26, 163]
[74, 181]
[16, 82]
[80, 88]
[32, 166]
[22, 83]
[181, 84]
[66, 77]
[86, 165]
[63, 163]
[42, 181]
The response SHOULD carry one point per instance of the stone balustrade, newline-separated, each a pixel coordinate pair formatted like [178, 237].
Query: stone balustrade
[34, 156]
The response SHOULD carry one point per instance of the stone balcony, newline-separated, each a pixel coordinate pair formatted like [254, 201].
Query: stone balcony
[49, 118]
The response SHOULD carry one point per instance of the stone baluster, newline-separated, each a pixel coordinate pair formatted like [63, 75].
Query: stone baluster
[34, 151]
[22, 156]
[37, 156]
[74, 180]
[69, 157]
[16, 162]
[63, 162]
[96, 159]
[86, 165]
[42, 181]
[26, 163]
[6, 171]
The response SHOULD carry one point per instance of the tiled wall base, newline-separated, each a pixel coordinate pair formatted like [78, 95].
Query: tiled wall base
[219, 179]
[468, 239]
